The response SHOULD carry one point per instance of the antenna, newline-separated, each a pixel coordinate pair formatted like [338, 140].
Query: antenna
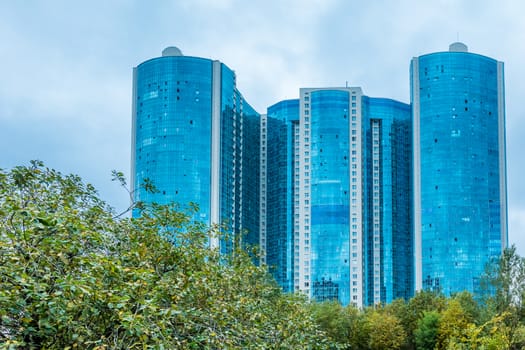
[457, 34]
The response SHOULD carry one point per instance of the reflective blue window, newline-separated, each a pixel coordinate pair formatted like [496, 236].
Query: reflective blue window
[388, 186]
[329, 179]
[283, 118]
[173, 111]
[461, 203]
[172, 146]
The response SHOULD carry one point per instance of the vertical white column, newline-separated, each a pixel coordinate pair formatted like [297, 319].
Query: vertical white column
[416, 144]
[376, 199]
[263, 188]
[502, 156]
[215, 149]
[355, 121]
[235, 165]
[133, 133]
[305, 283]
[298, 258]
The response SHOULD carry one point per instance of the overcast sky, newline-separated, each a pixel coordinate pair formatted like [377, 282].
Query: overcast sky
[66, 66]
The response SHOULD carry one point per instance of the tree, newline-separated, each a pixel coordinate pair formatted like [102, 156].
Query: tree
[427, 330]
[345, 326]
[469, 305]
[422, 302]
[330, 317]
[400, 309]
[453, 324]
[385, 331]
[491, 335]
[504, 281]
[75, 275]
[504, 284]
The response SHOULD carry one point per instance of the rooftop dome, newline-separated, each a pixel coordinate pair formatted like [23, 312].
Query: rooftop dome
[458, 47]
[171, 51]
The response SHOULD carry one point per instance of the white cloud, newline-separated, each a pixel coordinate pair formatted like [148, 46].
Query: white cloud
[517, 228]
[66, 67]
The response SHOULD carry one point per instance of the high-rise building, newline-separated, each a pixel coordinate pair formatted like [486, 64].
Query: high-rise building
[279, 150]
[351, 198]
[338, 182]
[460, 205]
[197, 139]
[388, 189]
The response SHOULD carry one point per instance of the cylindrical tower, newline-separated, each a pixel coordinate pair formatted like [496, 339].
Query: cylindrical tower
[172, 128]
[197, 140]
[460, 213]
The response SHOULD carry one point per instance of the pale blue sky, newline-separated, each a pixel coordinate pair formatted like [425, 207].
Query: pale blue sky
[65, 66]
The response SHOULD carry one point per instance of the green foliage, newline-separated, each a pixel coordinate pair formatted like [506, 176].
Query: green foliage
[73, 275]
[427, 330]
[422, 302]
[385, 331]
[469, 305]
[453, 323]
[400, 309]
[345, 326]
[504, 282]
[493, 334]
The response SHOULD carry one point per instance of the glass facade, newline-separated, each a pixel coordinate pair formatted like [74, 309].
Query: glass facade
[351, 198]
[250, 176]
[196, 139]
[282, 120]
[329, 195]
[337, 169]
[388, 179]
[459, 162]
[173, 102]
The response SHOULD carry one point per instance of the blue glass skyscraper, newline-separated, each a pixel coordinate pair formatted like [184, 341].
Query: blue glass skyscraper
[351, 198]
[197, 139]
[280, 146]
[387, 188]
[326, 215]
[460, 205]
[338, 194]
